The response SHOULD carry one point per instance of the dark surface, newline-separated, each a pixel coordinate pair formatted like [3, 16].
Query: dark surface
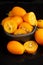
[5, 57]
[22, 0]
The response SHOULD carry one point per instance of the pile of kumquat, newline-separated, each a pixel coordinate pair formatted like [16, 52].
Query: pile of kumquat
[19, 21]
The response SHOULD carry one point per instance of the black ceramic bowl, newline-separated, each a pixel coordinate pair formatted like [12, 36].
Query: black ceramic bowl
[22, 37]
[28, 7]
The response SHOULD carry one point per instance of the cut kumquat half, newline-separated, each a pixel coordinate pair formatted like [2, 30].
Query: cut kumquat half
[26, 26]
[30, 18]
[10, 26]
[20, 31]
[4, 20]
[31, 47]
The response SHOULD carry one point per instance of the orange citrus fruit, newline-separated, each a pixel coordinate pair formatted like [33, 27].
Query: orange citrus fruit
[30, 18]
[17, 11]
[20, 31]
[10, 26]
[10, 14]
[31, 47]
[4, 20]
[17, 19]
[39, 36]
[40, 23]
[15, 47]
[26, 26]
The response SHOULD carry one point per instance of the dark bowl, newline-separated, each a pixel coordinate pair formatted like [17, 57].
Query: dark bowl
[22, 37]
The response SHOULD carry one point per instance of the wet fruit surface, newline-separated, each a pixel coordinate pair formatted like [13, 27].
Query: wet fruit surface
[26, 26]
[31, 47]
[30, 18]
[10, 26]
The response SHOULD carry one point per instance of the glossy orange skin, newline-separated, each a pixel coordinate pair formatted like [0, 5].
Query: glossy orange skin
[17, 19]
[19, 11]
[15, 47]
[39, 36]
[40, 23]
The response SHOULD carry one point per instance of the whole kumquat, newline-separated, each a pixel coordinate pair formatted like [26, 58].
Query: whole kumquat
[39, 36]
[19, 11]
[15, 47]
[40, 23]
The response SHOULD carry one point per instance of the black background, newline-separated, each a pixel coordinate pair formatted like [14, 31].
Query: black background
[22, 0]
[25, 59]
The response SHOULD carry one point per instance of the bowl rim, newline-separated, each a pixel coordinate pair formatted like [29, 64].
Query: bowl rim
[22, 35]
